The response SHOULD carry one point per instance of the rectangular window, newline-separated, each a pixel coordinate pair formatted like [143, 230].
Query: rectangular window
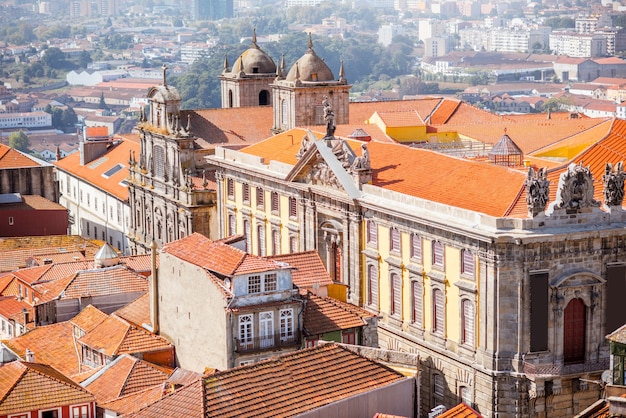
[254, 284]
[293, 207]
[416, 303]
[466, 395]
[438, 388]
[246, 193]
[246, 333]
[275, 203]
[395, 239]
[437, 254]
[467, 322]
[260, 231]
[538, 312]
[260, 197]
[396, 294]
[615, 314]
[372, 232]
[372, 288]
[286, 325]
[231, 225]
[416, 247]
[269, 284]
[10, 220]
[467, 263]
[348, 337]
[230, 188]
[293, 244]
[439, 306]
[246, 233]
[275, 242]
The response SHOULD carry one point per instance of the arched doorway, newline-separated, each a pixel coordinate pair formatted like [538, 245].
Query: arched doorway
[264, 98]
[331, 240]
[574, 329]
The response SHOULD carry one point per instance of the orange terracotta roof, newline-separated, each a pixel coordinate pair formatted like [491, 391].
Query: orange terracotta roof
[97, 131]
[444, 111]
[33, 202]
[397, 119]
[137, 312]
[309, 268]
[362, 111]
[32, 386]
[96, 282]
[438, 178]
[115, 336]
[322, 315]
[12, 158]
[186, 402]
[93, 171]
[286, 385]
[135, 401]
[461, 411]
[51, 344]
[124, 376]
[584, 139]
[12, 308]
[89, 318]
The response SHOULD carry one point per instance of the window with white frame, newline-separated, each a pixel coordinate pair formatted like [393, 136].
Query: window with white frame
[467, 263]
[260, 233]
[467, 322]
[394, 239]
[254, 284]
[438, 254]
[416, 247]
[438, 311]
[26, 415]
[80, 411]
[50, 413]
[416, 303]
[286, 324]
[372, 285]
[230, 188]
[293, 207]
[466, 395]
[372, 232]
[270, 282]
[396, 294]
[275, 203]
[246, 333]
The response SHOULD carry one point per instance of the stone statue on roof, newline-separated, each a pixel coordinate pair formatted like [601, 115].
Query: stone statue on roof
[613, 180]
[329, 118]
[575, 189]
[537, 190]
[362, 162]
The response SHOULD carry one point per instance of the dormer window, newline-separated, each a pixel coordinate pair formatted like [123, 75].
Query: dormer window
[259, 284]
[255, 70]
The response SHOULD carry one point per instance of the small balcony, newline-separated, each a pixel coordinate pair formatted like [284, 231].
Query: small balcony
[545, 370]
[270, 342]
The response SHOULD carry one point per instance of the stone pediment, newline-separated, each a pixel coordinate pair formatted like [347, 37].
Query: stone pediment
[325, 162]
[577, 278]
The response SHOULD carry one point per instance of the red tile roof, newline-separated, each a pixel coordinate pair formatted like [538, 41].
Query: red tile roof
[325, 314]
[33, 202]
[115, 336]
[124, 376]
[135, 401]
[92, 172]
[12, 158]
[31, 386]
[309, 269]
[461, 411]
[89, 318]
[13, 308]
[284, 386]
[137, 312]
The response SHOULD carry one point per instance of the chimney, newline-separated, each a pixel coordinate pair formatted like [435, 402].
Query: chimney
[154, 292]
[30, 356]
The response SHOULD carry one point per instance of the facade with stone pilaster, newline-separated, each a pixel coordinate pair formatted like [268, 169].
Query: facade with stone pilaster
[169, 194]
[505, 299]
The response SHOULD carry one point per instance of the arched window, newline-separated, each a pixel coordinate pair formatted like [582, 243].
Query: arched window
[574, 326]
[264, 98]
[261, 239]
[230, 98]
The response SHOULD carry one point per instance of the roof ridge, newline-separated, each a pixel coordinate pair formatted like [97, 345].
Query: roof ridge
[68, 383]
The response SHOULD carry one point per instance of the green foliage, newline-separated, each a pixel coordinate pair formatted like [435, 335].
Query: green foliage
[62, 119]
[44, 32]
[560, 22]
[19, 141]
[54, 58]
[18, 34]
[117, 41]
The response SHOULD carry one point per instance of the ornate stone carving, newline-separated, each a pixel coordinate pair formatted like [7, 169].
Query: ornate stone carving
[304, 146]
[575, 190]
[322, 175]
[537, 190]
[362, 162]
[613, 181]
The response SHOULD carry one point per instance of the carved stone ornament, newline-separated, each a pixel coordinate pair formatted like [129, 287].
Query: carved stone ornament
[613, 181]
[537, 190]
[362, 162]
[304, 146]
[322, 175]
[575, 190]
[329, 118]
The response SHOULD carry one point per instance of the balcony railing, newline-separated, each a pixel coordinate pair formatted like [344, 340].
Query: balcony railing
[267, 342]
[533, 370]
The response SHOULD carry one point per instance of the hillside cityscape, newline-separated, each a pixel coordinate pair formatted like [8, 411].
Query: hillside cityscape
[368, 209]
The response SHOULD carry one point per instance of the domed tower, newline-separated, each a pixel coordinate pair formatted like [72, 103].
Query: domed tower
[298, 96]
[248, 83]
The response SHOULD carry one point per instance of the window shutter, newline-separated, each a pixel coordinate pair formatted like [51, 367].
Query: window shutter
[468, 322]
[261, 239]
[395, 239]
[372, 278]
[372, 232]
[416, 294]
[437, 253]
[416, 246]
[396, 294]
[468, 263]
[438, 314]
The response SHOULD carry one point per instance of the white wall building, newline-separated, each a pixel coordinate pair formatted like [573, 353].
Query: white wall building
[578, 45]
[25, 120]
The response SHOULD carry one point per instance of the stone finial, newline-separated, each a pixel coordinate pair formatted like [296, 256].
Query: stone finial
[310, 41]
[254, 38]
[613, 181]
[537, 190]
[164, 74]
[226, 65]
[329, 118]
[575, 189]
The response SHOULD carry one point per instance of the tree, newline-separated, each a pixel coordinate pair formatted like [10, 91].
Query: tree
[54, 58]
[19, 141]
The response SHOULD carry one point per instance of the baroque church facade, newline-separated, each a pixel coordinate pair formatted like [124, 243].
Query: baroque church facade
[504, 281]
